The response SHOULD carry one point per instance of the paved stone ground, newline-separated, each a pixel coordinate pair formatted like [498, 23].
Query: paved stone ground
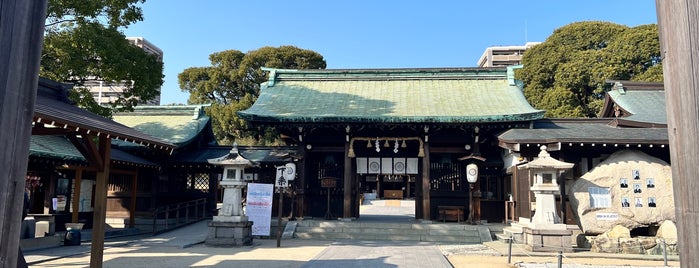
[379, 254]
[183, 248]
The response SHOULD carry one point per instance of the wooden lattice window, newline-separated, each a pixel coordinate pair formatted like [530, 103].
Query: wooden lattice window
[198, 181]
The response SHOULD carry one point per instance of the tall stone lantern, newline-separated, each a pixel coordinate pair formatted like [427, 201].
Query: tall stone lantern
[231, 227]
[546, 231]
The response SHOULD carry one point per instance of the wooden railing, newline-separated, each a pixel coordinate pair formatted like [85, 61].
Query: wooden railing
[172, 216]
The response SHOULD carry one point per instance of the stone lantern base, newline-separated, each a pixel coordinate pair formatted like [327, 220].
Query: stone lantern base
[229, 234]
[552, 239]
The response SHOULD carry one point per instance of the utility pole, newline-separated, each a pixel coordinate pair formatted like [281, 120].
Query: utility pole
[21, 35]
[678, 26]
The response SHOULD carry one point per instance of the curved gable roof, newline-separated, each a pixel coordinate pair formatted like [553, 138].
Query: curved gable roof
[458, 95]
[176, 124]
[640, 104]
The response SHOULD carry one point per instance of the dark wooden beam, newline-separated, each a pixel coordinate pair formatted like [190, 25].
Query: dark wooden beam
[41, 129]
[21, 32]
[77, 183]
[347, 185]
[100, 209]
[678, 25]
[87, 147]
[425, 183]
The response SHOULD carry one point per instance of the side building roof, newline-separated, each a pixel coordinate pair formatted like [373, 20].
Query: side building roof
[444, 95]
[636, 104]
[179, 125]
[55, 110]
[548, 131]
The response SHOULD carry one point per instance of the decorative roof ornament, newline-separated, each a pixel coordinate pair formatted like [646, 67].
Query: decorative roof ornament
[545, 161]
[232, 158]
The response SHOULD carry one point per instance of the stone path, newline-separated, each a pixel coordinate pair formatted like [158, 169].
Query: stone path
[379, 254]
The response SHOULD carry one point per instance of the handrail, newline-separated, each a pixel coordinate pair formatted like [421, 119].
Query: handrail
[172, 216]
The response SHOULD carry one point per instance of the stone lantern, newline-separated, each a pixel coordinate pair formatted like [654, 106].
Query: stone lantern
[231, 227]
[546, 231]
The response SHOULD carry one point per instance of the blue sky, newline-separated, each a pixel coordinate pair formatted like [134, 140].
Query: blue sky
[363, 33]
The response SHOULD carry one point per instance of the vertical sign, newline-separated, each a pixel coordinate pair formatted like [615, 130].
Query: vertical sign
[258, 207]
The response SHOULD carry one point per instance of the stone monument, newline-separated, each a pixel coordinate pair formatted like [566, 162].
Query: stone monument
[545, 231]
[231, 227]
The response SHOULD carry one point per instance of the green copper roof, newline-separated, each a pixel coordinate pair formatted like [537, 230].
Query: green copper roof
[58, 147]
[645, 106]
[644, 101]
[175, 124]
[458, 95]
[54, 147]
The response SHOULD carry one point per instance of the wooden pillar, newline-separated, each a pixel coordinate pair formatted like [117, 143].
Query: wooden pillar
[425, 185]
[212, 197]
[347, 185]
[678, 25]
[21, 32]
[132, 207]
[100, 210]
[301, 168]
[77, 182]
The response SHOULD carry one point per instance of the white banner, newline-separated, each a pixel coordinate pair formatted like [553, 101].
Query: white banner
[398, 165]
[411, 166]
[361, 165]
[386, 165]
[374, 165]
[258, 207]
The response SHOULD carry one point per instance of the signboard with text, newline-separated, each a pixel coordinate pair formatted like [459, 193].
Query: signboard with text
[258, 207]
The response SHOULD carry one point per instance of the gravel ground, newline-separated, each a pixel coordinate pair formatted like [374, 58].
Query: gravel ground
[478, 255]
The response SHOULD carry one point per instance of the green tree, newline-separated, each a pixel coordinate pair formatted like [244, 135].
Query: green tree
[567, 74]
[232, 83]
[84, 41]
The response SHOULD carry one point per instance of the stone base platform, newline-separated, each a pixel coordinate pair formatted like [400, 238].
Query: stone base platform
[229, 234]
[547, 240]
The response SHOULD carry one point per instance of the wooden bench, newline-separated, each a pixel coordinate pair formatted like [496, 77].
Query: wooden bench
[451, 213]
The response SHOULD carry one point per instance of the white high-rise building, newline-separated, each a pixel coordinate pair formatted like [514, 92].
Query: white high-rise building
[499, 56]
[104, 92]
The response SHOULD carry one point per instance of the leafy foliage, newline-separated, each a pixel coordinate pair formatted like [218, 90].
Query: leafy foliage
[83, 41]
[567, 74]
[232, 83]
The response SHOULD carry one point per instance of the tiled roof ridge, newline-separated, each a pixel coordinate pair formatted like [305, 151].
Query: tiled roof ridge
[197, 111]
[386, 74]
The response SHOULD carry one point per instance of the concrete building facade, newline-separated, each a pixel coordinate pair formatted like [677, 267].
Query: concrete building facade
[104, 92]
[502, 56]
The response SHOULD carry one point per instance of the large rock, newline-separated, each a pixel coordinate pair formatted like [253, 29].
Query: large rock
[667, 230]
[624, 165]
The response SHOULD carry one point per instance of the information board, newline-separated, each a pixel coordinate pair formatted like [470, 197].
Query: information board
[259, 207]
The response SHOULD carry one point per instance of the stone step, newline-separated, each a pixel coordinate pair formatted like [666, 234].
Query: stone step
[376, 231]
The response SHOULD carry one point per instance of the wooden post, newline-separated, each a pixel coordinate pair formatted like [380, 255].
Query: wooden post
[77, 182]
[100, 209]
[347, 185]
[21, 32]
[678, 25]
[134, 195]
[425, 183]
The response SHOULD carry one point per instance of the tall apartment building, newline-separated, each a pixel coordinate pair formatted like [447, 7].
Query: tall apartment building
[499, 56]
[104, 93]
